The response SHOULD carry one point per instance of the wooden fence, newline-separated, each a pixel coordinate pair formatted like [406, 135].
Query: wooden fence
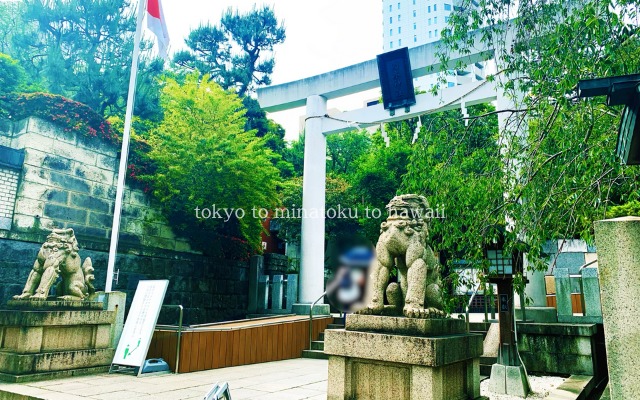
[236, 343]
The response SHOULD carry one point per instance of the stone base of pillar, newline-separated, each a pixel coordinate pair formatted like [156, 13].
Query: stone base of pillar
[509, 380]
[303, 309]
[538, 314]
[403, 358]
[56, 339]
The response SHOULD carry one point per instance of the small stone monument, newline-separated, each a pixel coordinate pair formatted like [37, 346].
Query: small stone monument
[404, 347]
[73, 333]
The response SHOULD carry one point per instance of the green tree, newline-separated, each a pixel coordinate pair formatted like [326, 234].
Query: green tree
[377, 178]
[83, 50]
[204, 156]
[12, 75]
[343, 149]
[10, 26]
[238, 53]
[458, 169]
[563, 174]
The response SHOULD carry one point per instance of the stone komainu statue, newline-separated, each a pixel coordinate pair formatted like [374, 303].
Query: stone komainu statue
[403, 242]
[58, 257]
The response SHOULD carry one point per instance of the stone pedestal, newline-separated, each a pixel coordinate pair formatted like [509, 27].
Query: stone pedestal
[618, 242]
[379, 357]
[54, 339]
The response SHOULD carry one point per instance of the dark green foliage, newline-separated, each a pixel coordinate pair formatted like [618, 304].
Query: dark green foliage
[237, 53]
[205, 157]
[563, 174]
[12, 75]
[82, 50]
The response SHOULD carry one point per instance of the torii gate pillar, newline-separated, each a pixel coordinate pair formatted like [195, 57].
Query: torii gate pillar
[313, 203]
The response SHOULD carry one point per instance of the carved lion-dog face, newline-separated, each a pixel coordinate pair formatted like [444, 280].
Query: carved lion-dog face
[60, 244]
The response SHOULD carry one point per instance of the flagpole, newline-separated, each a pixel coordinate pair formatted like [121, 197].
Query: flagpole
[124, 153]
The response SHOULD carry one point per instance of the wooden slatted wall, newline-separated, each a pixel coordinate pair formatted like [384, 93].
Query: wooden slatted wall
[210, 349]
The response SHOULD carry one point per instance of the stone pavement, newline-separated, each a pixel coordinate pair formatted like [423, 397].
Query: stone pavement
[294, 379]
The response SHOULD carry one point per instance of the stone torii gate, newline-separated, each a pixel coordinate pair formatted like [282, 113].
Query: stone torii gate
[313, 92]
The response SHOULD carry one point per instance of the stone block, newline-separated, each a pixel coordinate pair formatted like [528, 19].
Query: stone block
[498, 379]
[22, 339]
[56, 196]
[590, 286]
[558, 348]
[405, 326]
[57, 163]
[391, 366]
[427, 351]
[33, 141]
[29, 207]
[70, 183]
[34, 157]
[40, 127]
[35, 175]
[538, 314]
[24, 222]
[87, 231]
[72, 152]
[40, 338]
[25, 364]
[102, 338]
[116, 302]
[64, 213]
[618, 242]
[94, 174]
[90, 203]
[571, 261]
[99, 220]
[276, 292]
[106, 162]
[517, 383]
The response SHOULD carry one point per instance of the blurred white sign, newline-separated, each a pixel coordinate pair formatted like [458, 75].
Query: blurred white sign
[141, 322]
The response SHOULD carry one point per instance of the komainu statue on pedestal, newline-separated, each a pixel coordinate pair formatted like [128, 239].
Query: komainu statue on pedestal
[58, 257]
[403, 242]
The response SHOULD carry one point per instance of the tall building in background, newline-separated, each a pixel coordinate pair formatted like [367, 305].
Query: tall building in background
[411, 23]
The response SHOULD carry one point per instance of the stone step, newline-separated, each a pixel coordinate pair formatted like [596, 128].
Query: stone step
[316, 354]
[317, 345]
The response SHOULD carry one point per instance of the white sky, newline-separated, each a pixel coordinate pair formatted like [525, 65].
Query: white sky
[321, 36]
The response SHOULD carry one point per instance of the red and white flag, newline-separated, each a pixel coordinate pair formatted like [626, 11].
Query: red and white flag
[158, 25]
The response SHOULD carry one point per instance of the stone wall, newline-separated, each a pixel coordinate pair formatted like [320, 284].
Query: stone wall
[562, 349]
[68, 181]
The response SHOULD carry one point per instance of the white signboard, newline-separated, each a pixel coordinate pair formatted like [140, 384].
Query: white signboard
[141, 322]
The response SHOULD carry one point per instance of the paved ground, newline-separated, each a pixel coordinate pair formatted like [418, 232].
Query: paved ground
[280, 380]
